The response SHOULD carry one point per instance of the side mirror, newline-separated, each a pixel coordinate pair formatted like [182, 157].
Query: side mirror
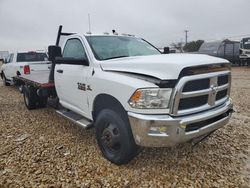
[54, 51]
[166, 50]
[71, 61]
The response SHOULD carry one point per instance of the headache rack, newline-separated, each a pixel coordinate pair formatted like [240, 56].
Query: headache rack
[52, 55]
[60, 33]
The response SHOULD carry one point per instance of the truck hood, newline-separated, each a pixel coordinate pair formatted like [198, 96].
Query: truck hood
[164, 67]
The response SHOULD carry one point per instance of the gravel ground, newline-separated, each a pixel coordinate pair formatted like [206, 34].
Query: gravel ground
[40, 149]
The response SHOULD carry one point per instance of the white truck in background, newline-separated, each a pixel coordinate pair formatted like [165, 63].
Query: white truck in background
[131, 93]
[245, 51]
[22, 63]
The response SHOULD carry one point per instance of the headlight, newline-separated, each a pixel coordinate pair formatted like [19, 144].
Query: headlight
[154, 98]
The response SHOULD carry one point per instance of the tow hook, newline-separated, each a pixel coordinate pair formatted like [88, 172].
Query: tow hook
[231, 111]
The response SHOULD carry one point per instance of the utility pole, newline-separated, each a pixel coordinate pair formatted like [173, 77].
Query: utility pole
[186, 35]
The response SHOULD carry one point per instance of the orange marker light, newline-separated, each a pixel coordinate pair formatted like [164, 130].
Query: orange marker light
[136, 96]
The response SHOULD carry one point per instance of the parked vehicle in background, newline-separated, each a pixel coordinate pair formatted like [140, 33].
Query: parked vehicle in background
[131, 93]
[245, 51]
[21, 63]
[226, 49]
[3, 55]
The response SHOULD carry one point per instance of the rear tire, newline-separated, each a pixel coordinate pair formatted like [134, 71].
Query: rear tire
[5, 83]
[42, 102]
[30, 97]
[114, 137]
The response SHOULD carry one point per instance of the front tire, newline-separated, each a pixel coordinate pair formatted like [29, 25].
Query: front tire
[114, 137]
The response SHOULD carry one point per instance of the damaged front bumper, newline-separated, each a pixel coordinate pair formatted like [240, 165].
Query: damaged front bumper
[166, 131]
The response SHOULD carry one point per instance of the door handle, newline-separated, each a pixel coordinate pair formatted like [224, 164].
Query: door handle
[59, 71]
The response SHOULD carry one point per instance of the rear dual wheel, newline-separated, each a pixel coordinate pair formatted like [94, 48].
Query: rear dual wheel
[32, 100]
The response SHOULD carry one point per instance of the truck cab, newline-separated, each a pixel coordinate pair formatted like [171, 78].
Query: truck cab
[88, 77]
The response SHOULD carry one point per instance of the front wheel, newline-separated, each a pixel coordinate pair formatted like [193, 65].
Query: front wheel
[114, 137]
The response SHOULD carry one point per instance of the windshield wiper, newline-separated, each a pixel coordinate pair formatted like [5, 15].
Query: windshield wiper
[115, 57]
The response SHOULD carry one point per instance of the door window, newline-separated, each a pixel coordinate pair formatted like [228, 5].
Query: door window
[10, 59]
[74, 49]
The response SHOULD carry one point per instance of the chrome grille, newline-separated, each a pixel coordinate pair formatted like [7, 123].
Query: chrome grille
[200, 92]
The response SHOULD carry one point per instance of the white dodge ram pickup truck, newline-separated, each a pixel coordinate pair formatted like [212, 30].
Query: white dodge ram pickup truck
[20, 63]
[132, 94]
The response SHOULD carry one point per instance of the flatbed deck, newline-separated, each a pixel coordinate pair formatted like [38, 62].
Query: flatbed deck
[38, 80]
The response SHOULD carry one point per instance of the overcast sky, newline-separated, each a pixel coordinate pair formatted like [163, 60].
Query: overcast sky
[33, 24]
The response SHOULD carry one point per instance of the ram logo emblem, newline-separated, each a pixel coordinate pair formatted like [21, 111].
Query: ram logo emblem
[214, 89]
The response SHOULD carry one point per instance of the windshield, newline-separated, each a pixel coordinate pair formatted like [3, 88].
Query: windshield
[110, 47]
[246, 43]
[31, 56]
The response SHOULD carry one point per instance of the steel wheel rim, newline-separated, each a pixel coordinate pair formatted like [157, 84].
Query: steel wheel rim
[110, 139]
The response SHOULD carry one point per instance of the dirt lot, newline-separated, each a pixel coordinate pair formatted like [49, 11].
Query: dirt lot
[40, 149]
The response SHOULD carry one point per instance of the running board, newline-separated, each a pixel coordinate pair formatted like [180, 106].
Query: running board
[75, 118]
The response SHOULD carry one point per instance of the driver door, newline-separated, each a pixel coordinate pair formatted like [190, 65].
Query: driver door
[71, 80]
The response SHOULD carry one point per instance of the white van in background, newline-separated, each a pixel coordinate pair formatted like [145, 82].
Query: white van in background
[245, 51]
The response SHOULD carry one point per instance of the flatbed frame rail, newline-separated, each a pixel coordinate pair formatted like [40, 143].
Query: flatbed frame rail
[33, 83]
[38, 80]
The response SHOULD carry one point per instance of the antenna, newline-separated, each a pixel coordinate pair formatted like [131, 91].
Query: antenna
[89, 23]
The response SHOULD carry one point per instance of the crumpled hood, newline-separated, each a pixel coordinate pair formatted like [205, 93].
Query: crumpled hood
[165, 66]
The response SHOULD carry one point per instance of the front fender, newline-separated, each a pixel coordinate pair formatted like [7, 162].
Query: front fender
[119, 86]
